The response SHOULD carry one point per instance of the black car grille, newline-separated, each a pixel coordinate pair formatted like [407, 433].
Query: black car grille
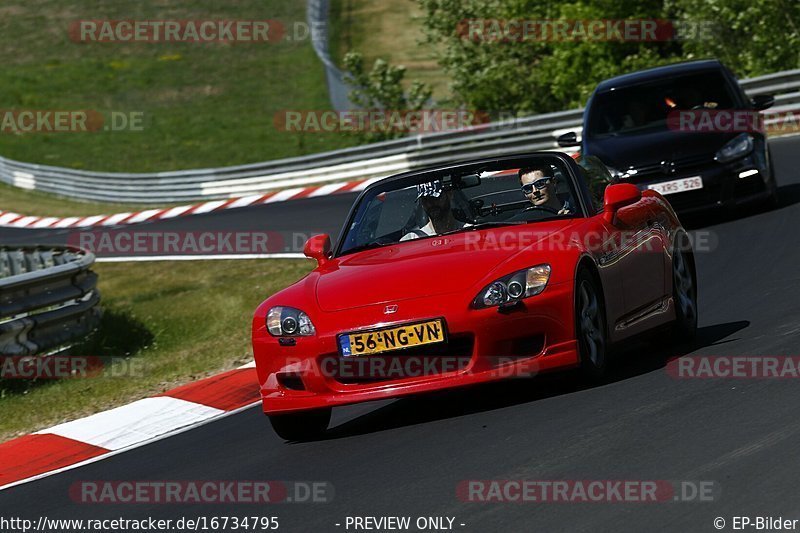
[671, 167]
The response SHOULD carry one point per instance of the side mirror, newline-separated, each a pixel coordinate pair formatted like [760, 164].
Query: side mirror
[618, 196]
[762, 101]
[318, 247]
[568, 139]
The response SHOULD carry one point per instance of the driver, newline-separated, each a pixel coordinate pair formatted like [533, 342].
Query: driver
[436, 203]
[539, 187]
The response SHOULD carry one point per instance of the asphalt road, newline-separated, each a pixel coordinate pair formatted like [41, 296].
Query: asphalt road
[407, 457]
[292, 222]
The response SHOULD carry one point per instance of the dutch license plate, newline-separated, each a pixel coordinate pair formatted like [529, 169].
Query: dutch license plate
[395, 338]
[675, 186]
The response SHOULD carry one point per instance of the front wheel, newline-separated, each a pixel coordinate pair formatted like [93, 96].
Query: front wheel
[773, 200]
[590, 326]
[302, 426]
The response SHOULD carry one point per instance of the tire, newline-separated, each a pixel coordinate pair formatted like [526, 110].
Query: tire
[684, 294]
[302, 426]
[590, 326]
[773, 200]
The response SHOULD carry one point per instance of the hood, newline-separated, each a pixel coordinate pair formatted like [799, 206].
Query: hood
[624, 151]
[424, 267]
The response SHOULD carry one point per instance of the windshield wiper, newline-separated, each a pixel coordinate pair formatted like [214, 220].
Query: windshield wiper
[367, 246]
[484, 225]
[548, 219]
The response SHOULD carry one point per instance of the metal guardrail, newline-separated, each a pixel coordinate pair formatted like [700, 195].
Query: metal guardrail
[48, 298]
[318, 20]
[536, 132]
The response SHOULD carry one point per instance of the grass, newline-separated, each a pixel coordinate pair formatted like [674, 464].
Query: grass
[389, 29]
[179, 322]
[204, 105]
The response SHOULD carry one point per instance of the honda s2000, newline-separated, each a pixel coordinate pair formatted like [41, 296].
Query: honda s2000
[469, 273]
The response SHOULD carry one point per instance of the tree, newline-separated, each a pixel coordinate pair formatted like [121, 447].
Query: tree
[533, 75]
[752, 38]
[499, 76]
[382, 89]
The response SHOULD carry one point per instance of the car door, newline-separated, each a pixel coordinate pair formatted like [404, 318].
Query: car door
[640, 248]
[633, 251]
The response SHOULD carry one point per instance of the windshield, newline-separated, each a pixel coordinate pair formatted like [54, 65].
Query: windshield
[438, 203]
[630, 110]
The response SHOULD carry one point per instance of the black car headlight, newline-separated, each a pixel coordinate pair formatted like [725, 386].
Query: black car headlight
[514, 287]
[739, 146]
[289, 322]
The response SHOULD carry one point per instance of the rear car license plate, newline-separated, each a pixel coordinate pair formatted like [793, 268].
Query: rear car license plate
[393, 338]
[675, 186]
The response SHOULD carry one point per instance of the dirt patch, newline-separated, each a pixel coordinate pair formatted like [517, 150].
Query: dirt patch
[392, 30]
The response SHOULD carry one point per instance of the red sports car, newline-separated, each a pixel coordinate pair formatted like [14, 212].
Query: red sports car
[469, 273]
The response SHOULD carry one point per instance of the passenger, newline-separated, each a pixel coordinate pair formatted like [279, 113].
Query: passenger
[436, 202]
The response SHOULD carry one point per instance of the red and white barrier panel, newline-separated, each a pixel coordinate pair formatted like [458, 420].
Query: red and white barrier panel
[102, 435]
[15, 220]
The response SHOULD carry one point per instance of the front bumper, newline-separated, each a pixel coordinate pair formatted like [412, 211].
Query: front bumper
[722, 186]
[484, 345]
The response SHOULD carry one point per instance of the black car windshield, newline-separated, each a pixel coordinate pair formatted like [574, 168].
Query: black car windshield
[462, 199]
[631, 110]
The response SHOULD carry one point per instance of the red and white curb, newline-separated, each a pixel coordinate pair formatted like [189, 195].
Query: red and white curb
[15, 220]
[91, 439]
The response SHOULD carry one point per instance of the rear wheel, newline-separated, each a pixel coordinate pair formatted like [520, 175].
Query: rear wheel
[590, 325]
[305, 425]
[684, 294]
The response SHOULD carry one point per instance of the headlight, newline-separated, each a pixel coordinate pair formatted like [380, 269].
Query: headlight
[514, 287]
[739, 146]
[289, 322]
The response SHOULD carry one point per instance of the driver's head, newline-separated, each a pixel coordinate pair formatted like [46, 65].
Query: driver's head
[538, 184]
[638, 112]
[434, 199]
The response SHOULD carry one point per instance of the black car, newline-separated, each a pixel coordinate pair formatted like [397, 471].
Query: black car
[630, 124]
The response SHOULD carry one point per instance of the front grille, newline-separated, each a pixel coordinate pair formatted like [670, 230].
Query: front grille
[680, 166]
[419, 361]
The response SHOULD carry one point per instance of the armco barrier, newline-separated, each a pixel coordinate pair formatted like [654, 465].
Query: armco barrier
[363, 162]
[48, 299]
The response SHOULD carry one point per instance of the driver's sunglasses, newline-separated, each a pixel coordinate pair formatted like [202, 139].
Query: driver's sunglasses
[539, 184]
